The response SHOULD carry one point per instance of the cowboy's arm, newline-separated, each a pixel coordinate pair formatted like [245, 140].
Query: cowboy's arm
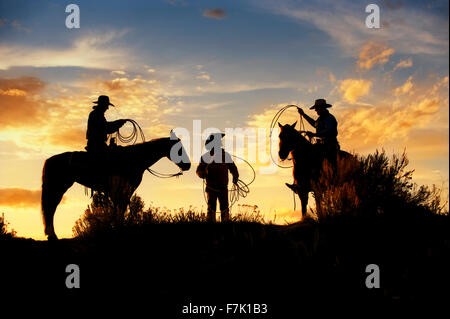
[234, 172]
[231, 167]
[201, 169]
[114, 126]
[310, 120]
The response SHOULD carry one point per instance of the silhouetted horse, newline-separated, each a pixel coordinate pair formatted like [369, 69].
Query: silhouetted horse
[307, 161]
[117, 173]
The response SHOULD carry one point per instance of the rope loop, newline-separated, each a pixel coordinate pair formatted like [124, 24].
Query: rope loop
[272, 126]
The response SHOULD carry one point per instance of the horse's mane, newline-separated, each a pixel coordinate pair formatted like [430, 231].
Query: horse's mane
[296, 135]
[140, 146]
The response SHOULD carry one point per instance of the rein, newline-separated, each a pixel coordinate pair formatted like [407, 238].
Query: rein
[163, 175]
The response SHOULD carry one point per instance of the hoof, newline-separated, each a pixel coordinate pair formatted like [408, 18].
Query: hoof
[52, 237]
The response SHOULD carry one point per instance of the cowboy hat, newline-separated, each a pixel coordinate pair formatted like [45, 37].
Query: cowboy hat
[103, 99]
[212, 136]
[320, 103]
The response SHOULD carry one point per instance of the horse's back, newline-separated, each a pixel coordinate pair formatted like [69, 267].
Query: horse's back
[344, 154]
[66, 155]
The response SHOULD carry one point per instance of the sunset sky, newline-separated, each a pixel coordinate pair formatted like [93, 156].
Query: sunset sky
[167, 63]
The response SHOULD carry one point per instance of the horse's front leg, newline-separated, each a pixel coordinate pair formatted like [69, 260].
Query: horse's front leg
[121, 193]
[303, 195]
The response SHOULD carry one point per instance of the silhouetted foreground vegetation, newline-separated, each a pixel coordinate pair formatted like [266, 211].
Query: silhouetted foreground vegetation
[102, 217]
[4, 232]
[371, 185]
[152, 261]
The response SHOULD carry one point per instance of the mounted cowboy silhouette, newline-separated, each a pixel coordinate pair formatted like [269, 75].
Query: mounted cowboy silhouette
[98, 128]
[307, 156]
[114, 170]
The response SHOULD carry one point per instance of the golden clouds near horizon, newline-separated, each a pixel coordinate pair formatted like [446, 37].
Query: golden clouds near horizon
[19, 197]
[19, 106]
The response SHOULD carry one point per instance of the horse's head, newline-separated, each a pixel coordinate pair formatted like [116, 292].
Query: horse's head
[178, 154]
[289, 138]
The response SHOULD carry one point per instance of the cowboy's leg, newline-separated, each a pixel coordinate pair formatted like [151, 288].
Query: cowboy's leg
[98, 156]
[331, 150]
[212, 205]
[224, 207]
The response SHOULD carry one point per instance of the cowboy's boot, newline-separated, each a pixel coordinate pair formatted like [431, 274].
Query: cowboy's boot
[225, 216]
[211, 217]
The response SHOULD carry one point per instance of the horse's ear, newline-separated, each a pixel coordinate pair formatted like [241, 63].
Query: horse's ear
[293, 125]
[280, 125]
[173, 136]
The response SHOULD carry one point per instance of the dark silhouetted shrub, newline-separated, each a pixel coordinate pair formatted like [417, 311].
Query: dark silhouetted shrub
[4, 232]
[373, 185]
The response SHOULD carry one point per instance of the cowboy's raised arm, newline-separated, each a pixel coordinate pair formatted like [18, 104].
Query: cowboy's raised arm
[311, 121]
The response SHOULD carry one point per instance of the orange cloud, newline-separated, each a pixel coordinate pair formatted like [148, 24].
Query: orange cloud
[69, 137]
[374, 53]
[19, 197]
[18, 107]
[352, 89]
[405, 88]
[403, 64]
[215, 13]
[393, 118]
[13, 92]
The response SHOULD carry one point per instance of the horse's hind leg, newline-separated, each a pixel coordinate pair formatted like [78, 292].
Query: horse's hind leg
[48, 209]
[51, 197]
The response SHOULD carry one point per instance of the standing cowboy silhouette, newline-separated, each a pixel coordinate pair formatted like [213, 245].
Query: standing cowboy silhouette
[327, 144]
[214, 166]
[98, 128]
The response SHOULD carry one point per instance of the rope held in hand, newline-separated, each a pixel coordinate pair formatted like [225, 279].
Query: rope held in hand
[133, 137]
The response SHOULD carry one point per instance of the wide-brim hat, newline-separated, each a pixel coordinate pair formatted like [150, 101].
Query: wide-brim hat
[320, 103]
[212, 136]
[103, 99]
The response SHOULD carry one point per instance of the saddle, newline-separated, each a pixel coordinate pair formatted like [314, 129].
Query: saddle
[110, 161]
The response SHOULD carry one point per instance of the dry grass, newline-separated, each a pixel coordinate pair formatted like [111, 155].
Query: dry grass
[101, 216]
